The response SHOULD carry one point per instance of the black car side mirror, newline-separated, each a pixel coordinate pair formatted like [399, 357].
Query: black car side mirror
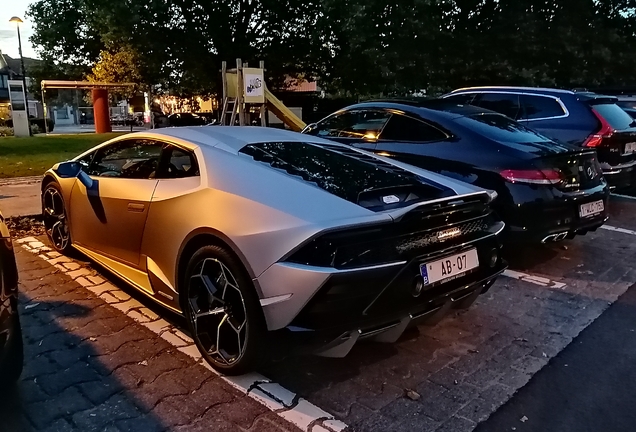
[74, 169]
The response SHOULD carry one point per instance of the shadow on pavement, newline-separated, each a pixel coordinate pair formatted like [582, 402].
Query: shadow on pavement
[64, 386]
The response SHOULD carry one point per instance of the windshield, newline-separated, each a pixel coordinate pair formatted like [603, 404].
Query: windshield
[501, 128]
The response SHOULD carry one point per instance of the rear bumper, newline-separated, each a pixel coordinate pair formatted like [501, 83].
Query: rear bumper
[337, 341]
[381, 302]
[537, 214]
[620, 176]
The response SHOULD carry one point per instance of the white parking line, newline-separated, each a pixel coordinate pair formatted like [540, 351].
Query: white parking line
[624, 196]
[298, 411]
[620, 230]
[537, 280]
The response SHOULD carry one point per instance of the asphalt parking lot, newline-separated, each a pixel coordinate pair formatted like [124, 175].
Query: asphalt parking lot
[99, 359]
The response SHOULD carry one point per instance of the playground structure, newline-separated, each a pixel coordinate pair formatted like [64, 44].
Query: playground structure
[99, 95]
[245, 86]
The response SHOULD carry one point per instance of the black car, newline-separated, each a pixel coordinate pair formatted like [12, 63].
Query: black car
[11, 354]
[186, 119]
[583, 119]
[547, 191]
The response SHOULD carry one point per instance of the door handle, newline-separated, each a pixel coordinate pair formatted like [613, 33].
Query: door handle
[136, 207]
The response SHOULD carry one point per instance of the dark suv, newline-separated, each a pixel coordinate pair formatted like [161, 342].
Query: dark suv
[581, 118]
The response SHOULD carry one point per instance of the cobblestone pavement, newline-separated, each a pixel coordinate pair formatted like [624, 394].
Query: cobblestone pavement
[89, 367]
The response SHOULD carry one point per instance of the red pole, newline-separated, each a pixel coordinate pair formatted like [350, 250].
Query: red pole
[101, 112]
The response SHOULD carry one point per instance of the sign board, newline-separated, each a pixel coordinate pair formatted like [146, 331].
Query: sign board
[19, 112]
[253, 86]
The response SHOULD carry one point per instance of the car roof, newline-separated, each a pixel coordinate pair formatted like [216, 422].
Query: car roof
[537, 90]
[582, 95]
[431, 106]
[234, 137]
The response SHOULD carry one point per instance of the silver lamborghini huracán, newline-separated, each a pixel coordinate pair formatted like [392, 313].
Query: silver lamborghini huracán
[253, 232]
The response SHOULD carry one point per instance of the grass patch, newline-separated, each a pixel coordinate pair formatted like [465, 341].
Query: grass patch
[30, 156]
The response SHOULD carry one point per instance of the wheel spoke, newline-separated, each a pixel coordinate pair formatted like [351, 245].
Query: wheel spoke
[215, 311]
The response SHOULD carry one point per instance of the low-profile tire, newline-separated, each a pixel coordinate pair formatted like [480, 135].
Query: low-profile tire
[54, 217]
[11, 367]
[223, 311]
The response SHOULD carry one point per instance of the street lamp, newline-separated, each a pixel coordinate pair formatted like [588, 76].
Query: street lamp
[17, 21]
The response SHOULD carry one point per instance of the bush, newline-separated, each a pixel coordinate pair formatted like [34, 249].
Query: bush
[6, 131]
[40, 124]
[35, 129]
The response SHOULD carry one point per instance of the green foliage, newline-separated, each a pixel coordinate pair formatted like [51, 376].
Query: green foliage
[179, 44]
[354, 47]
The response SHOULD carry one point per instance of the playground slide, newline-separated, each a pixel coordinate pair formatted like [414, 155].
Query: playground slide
[282, 112]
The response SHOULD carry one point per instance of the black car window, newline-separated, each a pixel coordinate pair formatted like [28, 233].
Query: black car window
[347, 174]
[538, 107]
[504, 103]
[353, 124]
[181, 163]
[138, 159]
[614, 115]
[403, 128]
[500, 128]
[462, 99]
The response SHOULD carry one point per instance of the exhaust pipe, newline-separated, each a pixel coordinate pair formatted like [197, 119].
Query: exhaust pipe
[555, 237]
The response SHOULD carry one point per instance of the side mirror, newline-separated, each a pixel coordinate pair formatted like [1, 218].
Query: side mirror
[74, 169]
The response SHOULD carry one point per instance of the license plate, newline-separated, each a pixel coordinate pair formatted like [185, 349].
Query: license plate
[591, 209]
[450, 267]
[630, 148]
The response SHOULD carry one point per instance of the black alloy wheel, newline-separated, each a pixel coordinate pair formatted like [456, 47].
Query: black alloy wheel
[55, 221]
[223, 311]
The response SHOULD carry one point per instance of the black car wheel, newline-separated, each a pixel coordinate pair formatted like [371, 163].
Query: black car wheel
[55, 221]
[11, 365]
[223, 311]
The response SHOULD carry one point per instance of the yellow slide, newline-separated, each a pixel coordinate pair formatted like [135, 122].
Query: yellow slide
[282, 112]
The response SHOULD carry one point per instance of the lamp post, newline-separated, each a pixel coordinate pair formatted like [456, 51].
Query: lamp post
[17, 21]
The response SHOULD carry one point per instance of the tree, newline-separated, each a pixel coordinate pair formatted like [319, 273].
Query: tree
[121, 65]
[180, 44]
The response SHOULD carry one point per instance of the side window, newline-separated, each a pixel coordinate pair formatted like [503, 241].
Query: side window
[402, 128]
[537, 107]
[134, 159]
[353, 124]
[181, 163]
[462, 99]
[504, 103]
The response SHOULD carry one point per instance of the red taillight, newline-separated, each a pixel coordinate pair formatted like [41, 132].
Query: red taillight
[545, 177]
[606, 131]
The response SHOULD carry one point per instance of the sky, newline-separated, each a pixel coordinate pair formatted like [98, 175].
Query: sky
[8, 34]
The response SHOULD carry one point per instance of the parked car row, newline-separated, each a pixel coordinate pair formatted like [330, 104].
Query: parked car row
[382, 215]
[546, 190]
[583, 119]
